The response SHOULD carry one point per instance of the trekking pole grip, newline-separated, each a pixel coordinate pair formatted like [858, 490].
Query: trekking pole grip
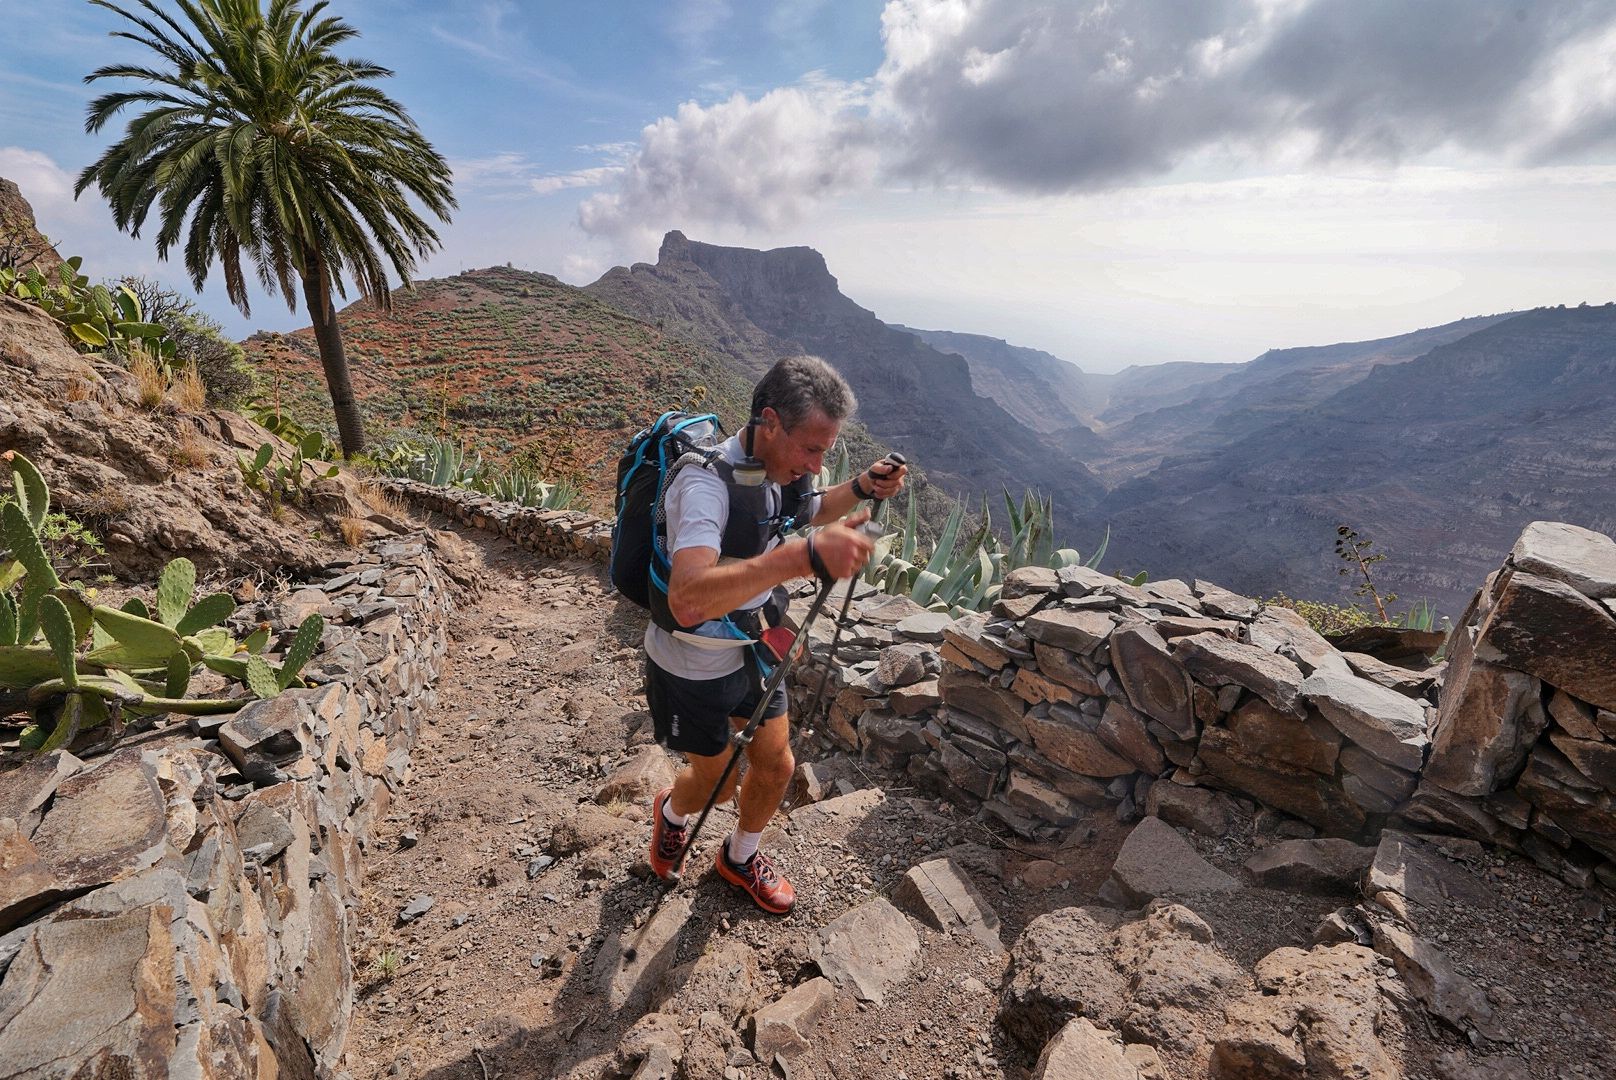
[891, 461]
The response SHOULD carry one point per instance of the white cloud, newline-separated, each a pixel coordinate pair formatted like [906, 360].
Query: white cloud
[46, 185]
[756, 163]
[582, 178]
[1060, 96]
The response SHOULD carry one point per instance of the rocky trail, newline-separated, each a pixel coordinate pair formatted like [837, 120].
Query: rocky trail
[510, 873]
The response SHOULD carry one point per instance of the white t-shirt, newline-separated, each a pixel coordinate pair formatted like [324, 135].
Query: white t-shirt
[697, 505]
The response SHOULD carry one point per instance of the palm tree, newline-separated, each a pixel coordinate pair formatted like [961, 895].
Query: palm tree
[275, 148]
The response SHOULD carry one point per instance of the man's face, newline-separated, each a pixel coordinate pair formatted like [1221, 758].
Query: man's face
[789, 453]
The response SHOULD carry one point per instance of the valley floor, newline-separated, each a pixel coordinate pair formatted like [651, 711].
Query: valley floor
[514, 968]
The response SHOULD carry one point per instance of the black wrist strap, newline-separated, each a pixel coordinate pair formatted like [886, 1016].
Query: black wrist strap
[820, 570]
[858, 488]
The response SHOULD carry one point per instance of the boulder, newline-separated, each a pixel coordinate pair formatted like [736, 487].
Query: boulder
[939, 894]
[628, 982]
[1214, 660]
[1065, 668]
[1548, 629]
[1060, 968]
[1382, 721]
[1327, 866]
[1180, 983]
[923, 625]
[1156, 861]
[1581, 558]
[869, 950]
[1220, 602]
[1487, 720]
[1266, 733]
[832, 819]
[969, 634]
[1317, 1014]
[1081, 1051]
[902, 665]
[1431, 977]
[31, 785]
[781, 1027]
[1199, 809]
[1123, 730]
[968, 692]
[1406, 867]
[1155, 683]
[1075, 631]
[639, 778]
[1067, 738]
[915, 699]
[1315, 799]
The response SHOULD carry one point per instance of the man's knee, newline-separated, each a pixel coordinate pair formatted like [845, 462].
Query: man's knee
[774, 765]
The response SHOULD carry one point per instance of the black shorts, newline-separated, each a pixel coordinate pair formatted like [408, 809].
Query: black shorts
[692, 715]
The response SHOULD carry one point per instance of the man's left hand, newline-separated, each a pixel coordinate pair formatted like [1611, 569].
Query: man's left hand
[884, 479]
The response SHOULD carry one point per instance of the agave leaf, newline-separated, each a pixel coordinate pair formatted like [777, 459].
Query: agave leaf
[1099, 552]
[944, 551]
[925, 585]
[1064, 557]
[211, 610]
[174, 588]
[910, 528]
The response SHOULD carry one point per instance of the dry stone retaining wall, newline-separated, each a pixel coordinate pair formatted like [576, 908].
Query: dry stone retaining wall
[179, 907]
[1081, 692]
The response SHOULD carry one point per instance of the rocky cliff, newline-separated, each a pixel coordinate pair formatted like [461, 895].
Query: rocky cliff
[21, 243]
[914, 397]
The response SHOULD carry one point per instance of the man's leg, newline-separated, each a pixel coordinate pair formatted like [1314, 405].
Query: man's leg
[768, 774]
[769, 765]
[695, 782]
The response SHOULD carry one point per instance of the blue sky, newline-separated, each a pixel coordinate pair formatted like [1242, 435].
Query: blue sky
[1115, 183]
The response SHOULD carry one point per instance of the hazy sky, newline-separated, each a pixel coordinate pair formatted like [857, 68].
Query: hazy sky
[1115, 182]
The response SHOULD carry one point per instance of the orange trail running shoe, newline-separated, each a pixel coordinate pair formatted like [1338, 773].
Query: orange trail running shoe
[757, 876]
[667, 841]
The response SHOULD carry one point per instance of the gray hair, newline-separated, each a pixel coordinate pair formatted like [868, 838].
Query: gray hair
[796, 386]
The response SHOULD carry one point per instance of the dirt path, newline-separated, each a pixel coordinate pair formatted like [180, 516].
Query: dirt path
[533, 882]
[540, 698]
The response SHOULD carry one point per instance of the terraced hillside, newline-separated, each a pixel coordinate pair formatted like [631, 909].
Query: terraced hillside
[501, 358]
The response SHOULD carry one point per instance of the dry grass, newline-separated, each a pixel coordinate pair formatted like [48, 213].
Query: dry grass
[353, 530]
[382, 501]
[187, 392]
[79, 390]
[150, 383]
[191, 450]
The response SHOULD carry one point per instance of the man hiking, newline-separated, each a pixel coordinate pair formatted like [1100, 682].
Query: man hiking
[702, 682]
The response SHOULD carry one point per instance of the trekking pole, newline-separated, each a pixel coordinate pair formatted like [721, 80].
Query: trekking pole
[873, 531]
[742, 738]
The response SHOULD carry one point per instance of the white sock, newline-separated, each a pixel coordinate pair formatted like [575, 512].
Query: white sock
[676, 820]
[742, 846]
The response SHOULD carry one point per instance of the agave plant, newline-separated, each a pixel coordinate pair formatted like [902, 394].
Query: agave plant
[965, 572]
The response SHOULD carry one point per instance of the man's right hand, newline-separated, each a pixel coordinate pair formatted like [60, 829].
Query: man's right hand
[842, 548]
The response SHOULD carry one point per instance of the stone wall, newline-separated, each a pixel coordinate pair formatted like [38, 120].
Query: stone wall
[1079, 692]
[556, 533]
[180, 906]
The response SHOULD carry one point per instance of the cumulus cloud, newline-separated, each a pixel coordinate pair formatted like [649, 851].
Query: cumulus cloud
[1055, 96]
[758, 163]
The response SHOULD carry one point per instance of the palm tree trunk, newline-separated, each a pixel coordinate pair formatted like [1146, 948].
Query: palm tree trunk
[323, 316]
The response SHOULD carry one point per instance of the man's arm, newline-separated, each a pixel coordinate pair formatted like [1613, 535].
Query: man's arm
[837, 501]
[701, 588]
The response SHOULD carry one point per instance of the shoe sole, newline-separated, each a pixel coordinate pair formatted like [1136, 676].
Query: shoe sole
[740, 883]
